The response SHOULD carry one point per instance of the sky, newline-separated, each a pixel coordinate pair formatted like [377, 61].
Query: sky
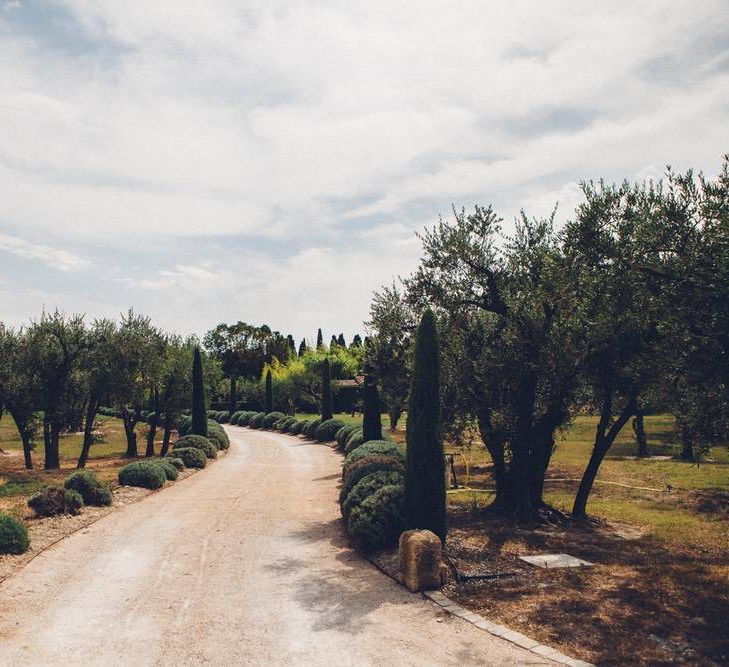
[269, 161]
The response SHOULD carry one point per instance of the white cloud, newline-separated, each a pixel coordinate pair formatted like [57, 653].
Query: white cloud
[53, 257]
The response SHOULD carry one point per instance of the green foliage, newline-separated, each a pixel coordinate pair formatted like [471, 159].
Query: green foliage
[13, 535]
[271, 418]
[184, 427]
[310, 428]
[223, 417]
[297, 428]
[366, 466]
[367, 486]
[55, 500]
[235, 417]
[326, 390]
[384, 447]
[371, 420]
[285, 424]
[355, 440]
[92, 490]
[145, 474]
[199, 413]
[269, 392]
[191, 457]
[169, 469]
[218, 436]
[378, 521]
[328, 429]
[256, 421]
[245, 418]
[425, 493]
[177, 462]
[199, 442]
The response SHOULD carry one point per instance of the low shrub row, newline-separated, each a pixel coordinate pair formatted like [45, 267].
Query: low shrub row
[79, 489]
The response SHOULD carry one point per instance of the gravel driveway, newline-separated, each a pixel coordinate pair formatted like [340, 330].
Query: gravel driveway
[244, 563]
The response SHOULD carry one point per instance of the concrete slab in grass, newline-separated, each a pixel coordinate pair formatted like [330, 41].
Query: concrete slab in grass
[552, 561]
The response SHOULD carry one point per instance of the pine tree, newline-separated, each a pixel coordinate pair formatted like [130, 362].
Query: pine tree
[340, 341]
[326, 390]
[199, 412]
[269, 392]
[425, 493]
[302, 347]
[371, 420]
[319, 340]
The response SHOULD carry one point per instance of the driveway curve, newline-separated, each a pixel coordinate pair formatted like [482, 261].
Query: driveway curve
[244, 563]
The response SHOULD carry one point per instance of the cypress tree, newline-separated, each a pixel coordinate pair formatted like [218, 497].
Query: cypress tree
[319, 340]
[292, 344]
[269, 392]
[371, 420]
[333, 342]
[340, 341]
[356, 341]
[302, 347]
[199, 413]
[425, 493]
[326, 390]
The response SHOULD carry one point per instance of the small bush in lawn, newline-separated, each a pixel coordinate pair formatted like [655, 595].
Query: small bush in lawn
[169, 470]
[173, 460]
[197, 441]
[235, 417]
[374, 447]
[191, 457]
[298, 427]
[144, 474]
[223, 417]
[367, 486]
[311, 427]
[355, 440]
[56, 500]
[367, 466]
[379, 519]
[327, 430]
[256, 421]
[13, 535]
[271, 418]
[218, 436]
[92, 489]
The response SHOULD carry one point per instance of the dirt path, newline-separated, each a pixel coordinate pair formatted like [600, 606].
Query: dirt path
[242, 564]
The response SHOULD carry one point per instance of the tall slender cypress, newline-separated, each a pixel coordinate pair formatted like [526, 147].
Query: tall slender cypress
[292, 345]
[425, 493]
[371, 420]
[302, 347]
[269, 392]
[326, 390]
[319, 340]
[199, 413]
[333, 342]
[340, 341]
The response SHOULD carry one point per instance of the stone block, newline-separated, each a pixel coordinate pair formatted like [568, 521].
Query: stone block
[420, 553]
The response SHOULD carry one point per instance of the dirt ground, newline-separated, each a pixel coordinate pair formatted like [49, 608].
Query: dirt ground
[243, 563]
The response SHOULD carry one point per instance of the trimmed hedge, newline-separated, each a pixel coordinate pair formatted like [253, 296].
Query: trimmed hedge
[168, 468]
[13, 535]
[284, 424]
[218, 436]
[379, 519]
[355, 440]
[92, 490]
[311, 427]
[178, 463]
[245, 418]
[344, 433]
[223, 417]
[197, 441]
[145, 474]
[191, 457]
[327, 430]
[297, 428]
[376, 447]
[256, 421]
[367, 466]
[366, 486]
[271, 418]
[185, 426]
[55, 500]
[235, 417]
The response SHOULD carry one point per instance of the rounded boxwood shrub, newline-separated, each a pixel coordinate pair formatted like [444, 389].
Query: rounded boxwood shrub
[367, 466]
[367, 486]
[55, 500]
[92, 490]
[271, 418]
[177, 462]
[328, 429]
[235, 417]
[311, 427]
[218, 436]
[168, 468]
[185, 425]
[374, 447]
[191, 457]
[223, 417]
[379, 519]
[256, 421]
[199, 442]
[144, 474]
[343, 434]
[298, 427]
[245, 418]
[355, 440]
[151, 416]
[13, 535]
